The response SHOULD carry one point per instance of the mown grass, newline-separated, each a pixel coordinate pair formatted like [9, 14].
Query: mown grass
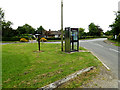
[24, 67]
[115, 42]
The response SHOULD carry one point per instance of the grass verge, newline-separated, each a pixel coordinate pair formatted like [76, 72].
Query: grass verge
[81, 79]
[24, 67]
[114, 42]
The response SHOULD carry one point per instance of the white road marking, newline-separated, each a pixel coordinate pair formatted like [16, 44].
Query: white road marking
[98, 45]
[99, 39]
[114, 50]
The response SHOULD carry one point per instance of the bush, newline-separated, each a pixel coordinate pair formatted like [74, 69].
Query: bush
[53, 38]
[23, 40]
[27, 36]
[111, 37]
[118, 38]
[43, 39]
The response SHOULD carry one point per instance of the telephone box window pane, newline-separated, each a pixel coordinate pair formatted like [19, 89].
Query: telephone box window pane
[75, 45]
[75, 35]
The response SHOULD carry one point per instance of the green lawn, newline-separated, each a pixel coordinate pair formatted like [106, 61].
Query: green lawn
[24, 67]
[116, 43]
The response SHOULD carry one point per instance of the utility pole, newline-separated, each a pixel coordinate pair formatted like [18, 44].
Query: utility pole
[61, 25]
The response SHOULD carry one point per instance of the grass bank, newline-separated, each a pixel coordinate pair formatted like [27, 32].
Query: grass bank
[81, 80]
[114, 42]
[24, 67]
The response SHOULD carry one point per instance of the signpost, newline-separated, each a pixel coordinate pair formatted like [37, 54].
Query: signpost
[38, 35]
[61, 25]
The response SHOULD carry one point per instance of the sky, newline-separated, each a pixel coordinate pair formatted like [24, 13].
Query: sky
[76, 13]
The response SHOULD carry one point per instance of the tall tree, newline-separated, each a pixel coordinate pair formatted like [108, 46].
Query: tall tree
[25, 29]
[81, 32]
[95, 30]
[1, 20]
[92, 29]
[40, 30]
[29, 29]
[100, 31]
[7, 30]
[5, 26]
[1, 14]
[109, 32]
[116, 25]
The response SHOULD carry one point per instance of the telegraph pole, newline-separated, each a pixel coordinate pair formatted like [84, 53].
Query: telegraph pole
[61, 25]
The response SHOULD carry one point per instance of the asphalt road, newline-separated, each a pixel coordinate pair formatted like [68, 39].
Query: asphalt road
[107, 53]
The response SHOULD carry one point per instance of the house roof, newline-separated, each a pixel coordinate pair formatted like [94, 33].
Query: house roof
[55, 33]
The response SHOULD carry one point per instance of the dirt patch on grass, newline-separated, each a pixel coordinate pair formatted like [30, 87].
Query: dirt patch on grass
[37, 51]
[19, 45]
[99, 77]
[104, 79]
[79, 80]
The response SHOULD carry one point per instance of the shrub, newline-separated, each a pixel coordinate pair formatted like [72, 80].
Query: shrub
[111, 37]
[53, 38]
[118, 38]
[43, 39]
[27, 36]
[23, 40]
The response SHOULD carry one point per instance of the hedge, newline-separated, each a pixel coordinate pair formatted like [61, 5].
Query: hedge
[53, 38]
[87, 37]
[10, 39]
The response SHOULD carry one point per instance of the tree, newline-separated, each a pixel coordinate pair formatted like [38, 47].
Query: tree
[40, 30]
[1, 14]
[95, 30]
[109, 32]
[116, 25]
[100, 31]
[7, 30]
[21, 30]
[92, 29]
[81, 32]
[29, 29]
[1, 20]
[25, 29]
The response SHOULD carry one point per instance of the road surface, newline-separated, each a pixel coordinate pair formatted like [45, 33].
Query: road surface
[107, 53]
